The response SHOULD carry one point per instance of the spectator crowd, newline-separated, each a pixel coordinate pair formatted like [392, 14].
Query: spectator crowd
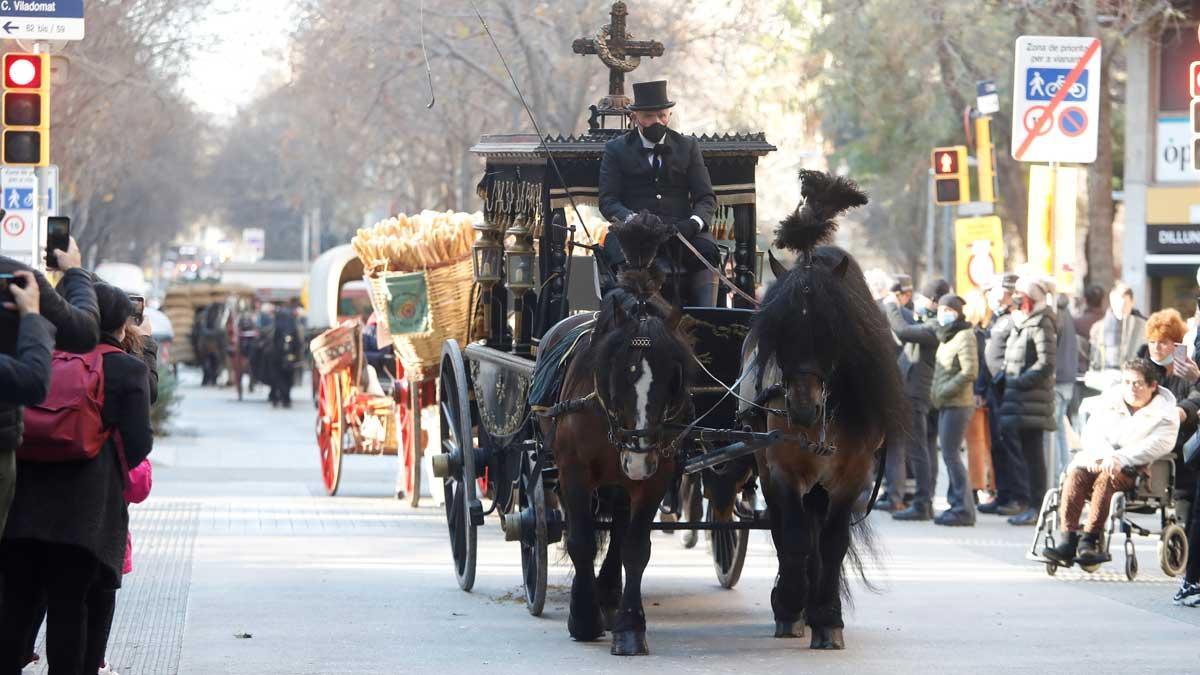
[1000, 376]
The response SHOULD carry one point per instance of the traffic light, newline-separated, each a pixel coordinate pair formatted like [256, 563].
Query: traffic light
[26, 110]
[1194, 90]
[951, 181]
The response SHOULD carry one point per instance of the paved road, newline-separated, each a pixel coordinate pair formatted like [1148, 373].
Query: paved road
[243, 566]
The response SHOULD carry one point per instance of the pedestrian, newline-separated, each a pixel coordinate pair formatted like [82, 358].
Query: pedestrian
[67, 529]
[73, 320]
[1012, 482]
[1027, 408]
[927, 300]
[285, 353]
[956, 368]
[916, 361]
[1066, 372]
[1164, 332]
[1092, 311]
[1114, 339]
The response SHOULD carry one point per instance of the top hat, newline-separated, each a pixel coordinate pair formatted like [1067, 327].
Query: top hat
[650, 96]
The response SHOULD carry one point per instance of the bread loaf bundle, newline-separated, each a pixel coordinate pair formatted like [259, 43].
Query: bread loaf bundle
[406, 243]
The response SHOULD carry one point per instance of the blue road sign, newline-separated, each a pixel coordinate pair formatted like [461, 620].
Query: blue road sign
[1042, 84]
[1073, 121]
[59, 9]
[18, 198]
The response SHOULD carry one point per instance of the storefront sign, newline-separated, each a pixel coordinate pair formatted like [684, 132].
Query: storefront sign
[1173, 151]
[1173, 238]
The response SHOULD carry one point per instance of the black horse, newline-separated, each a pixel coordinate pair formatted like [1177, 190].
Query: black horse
[610, 439]
[826, 376]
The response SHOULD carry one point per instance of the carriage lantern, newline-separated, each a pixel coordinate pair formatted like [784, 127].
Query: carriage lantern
[486, 254]
[519, 261]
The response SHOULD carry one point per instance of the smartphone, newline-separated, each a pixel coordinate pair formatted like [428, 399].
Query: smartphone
[8, 279]
[58, 237]
[139, 309]
[1180, 353]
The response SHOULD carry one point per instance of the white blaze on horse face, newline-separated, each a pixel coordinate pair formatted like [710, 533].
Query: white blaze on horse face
[641, 390]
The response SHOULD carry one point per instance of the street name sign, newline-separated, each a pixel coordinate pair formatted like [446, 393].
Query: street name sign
[1056, 99]
[19, 227]
[41, 19]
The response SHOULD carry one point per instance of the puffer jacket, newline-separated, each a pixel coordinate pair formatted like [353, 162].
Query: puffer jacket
[955, 367]
[1029, 372]
[73, 313]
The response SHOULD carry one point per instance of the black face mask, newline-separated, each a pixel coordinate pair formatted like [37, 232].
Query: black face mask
[655, 132]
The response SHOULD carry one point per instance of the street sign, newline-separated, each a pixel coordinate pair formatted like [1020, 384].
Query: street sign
[41, 20]
[19, 230]
[987, 101]
[979, 252]
[1056, 99]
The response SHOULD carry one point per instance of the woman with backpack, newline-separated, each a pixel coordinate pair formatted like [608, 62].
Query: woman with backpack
[68, 524]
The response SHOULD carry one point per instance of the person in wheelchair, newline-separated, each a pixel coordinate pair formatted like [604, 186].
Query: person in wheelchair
[1131, 425]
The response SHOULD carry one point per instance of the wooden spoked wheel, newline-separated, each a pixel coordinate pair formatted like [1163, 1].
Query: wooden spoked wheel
[531, 510]
[728, 547]
[331, 428]
[459, 484]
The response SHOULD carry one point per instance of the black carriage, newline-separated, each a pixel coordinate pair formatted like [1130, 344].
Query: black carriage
[529, 277]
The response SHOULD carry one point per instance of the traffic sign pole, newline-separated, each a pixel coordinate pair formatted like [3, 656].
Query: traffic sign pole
[985, 158]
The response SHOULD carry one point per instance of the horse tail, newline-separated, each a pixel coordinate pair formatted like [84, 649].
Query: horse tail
[863, 551]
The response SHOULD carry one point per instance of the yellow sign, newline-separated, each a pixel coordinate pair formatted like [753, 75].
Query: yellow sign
[979, 252]
[1052, 220]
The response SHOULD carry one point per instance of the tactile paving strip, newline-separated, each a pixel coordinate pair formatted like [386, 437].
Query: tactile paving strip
[147, 632]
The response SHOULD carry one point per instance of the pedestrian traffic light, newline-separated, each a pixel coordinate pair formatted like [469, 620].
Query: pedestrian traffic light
[26, 110]
[951, 181]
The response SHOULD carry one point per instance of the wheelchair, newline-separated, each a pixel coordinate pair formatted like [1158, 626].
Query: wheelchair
[1153, 493]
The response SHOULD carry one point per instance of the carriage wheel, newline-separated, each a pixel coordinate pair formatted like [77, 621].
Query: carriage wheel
[1173, 550]
[459, 480]
[531, 510]
[331, 425]
[728, 548]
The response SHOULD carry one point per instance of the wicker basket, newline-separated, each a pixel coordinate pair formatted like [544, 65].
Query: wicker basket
[336, 348]
[449, 288]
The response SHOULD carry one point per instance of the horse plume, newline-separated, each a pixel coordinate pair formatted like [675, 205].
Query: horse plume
[640, 238]
[825, 197]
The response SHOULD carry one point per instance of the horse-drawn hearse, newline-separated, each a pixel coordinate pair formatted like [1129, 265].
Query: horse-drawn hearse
[565, 415]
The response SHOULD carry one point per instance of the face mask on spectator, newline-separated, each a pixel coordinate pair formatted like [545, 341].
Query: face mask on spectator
[1165, 362]
[947, 318]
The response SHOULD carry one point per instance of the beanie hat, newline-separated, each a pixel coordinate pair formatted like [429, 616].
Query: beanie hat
[953, 302]
[935, 288]
[115, 307]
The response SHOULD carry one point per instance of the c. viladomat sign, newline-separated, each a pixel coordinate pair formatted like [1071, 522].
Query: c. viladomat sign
[1173, 239]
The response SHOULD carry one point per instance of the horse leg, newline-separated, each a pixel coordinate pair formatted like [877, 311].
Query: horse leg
[629, 631]
[608, 583]
[791, 530]
[825, 610]
[584, 622]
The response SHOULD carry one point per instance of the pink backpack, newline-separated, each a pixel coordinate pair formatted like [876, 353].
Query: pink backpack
[67, 426]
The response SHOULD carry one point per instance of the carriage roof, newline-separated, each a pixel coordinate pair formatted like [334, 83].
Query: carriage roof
[332, 270]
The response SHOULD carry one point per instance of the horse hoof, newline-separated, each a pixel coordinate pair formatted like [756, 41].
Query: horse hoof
[630, 643]
[688, 539]
[609, 614]
[827, 638]
[585, 631]
[789, 629]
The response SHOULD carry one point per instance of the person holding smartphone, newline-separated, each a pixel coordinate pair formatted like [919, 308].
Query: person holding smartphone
[24, 375]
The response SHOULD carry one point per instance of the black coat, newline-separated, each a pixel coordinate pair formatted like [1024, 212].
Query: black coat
[25, 376]
[76, 319]
[628, 183]
[83, 503]
[916, 361]
[1029, 373]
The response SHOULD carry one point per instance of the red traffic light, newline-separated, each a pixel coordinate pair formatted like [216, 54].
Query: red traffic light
[22, 71]
[945, 162]
[1194, 79]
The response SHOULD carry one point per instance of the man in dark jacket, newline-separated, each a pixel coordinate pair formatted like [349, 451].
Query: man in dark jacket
[920, 343]
[1027, 409]
[658, 169]
[1012, 483]
[74, 325]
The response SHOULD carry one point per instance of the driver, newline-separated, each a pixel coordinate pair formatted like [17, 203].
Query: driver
[656, 168]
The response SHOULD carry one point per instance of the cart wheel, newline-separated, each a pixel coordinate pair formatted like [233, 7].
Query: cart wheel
[462, 506]
[331, 425]
[1051, 568]
[534, 541]
[728, 547]
[1131, 563]
[1173, 550]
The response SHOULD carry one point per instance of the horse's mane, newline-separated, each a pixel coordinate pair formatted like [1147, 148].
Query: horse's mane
[843, 323]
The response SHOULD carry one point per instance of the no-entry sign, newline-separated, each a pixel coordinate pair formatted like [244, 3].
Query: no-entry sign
[1056, 99]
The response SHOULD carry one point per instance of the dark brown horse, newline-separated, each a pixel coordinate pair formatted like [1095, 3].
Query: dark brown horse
[614, 455]
[826, 375]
